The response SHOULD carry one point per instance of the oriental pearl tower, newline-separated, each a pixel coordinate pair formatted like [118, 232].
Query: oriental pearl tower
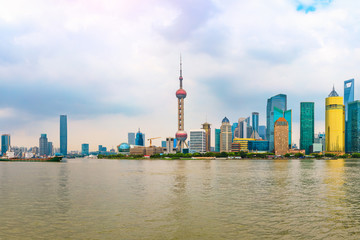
[181, 135]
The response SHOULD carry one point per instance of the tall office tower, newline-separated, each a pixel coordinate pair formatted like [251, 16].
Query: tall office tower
[288, 117]
[217, 139]
[139, 140]
[353, 124]
[348, 98]
[169, 144]
[275, 107]
[85, 149]
[262, 132]
[50, 150]
[207, 127]
[320, 138]
[334, 123]
[43, 145]
[5, 143]
[234, 126]
[100, 148]
[181, 135]
[255, 121]
[242, 130]
[131, 138]
[63, 135]
[306, 126]
[197, 141]
[281, 134]
[225, 136]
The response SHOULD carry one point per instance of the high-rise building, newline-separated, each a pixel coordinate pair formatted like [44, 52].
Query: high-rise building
[85, 149]
[262, 132]
[63, 135]
[225, 136]
[169, 144]
[307, 126]
[320, 139]
[197, 141]
[43, 145]
[131, 138]
[242, 129]
[139, 140]
[233, 130]
[348, 98]
[50, 150]
[288, 117]
[281, 134]
[5, 143]
[217, 139]
[181, 135]
[353, 124]
[255, 121]
[207, 127]
[334, 123]
[275, 108]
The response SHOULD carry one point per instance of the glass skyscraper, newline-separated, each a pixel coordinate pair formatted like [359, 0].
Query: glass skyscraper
[5, 143]
[217, 140]
[306, 125]
[131, 138]
[255, 121]
[275, 108]
[348, 98]
[85, 149]
[233, 128]
[63, 135]
[262, 132]
[43, 145]
[354, 127]
[288, 117]
[139, 140]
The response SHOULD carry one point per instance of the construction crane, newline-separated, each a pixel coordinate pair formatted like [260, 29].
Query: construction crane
[150, 139]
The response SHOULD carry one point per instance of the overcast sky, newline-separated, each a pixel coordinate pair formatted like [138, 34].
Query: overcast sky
[113, 66]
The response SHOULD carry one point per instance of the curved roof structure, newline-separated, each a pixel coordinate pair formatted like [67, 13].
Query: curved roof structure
[333, 93]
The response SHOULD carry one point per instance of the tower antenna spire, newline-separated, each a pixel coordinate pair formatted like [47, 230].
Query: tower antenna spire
[181, 77]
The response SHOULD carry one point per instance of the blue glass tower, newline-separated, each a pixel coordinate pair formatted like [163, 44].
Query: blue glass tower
[63, 135]
[275, 108]
[255, 121]
[262, 132]
[43, 145]
[354, 127]
[5, 143]
[288, 117]
[217, 140]
[85, 149]
[348, 98]
[233, 127]
[131, 138]
[139, 140]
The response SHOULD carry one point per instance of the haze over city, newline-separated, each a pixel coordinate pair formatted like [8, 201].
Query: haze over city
[112, 67]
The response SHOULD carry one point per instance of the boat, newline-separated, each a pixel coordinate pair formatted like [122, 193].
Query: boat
[49, 159]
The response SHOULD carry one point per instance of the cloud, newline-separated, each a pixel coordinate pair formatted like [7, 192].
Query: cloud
[311, 5]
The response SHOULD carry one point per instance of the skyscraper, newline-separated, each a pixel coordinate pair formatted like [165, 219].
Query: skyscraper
[207, 128]
[5, 143]
[63, 135]
[353, 124]
[225, 136]
[85, 149]
[348, 98]
[288, 117]
[197, 141]
[281, 133]
[255, 121]
[306, 125]
[139, 140]
[43, 145]
[262, 132]
[217, 139]
[50, 150]
[234, 126]
[131, 138]
[275, 108]
[181, 135]
[334, 123]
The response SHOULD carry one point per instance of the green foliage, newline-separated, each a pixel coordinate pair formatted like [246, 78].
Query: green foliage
[344, 156]
[329, 155]
[299, 155]
[355, 155]
[287, 155]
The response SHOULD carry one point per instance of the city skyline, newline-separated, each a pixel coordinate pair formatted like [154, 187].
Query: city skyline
[104, 67]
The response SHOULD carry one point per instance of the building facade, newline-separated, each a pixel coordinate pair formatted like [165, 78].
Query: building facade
[225, 136]
[255, 121]
[197, 141]
[139, 140]
[348, 98]
[131, 138]
[307, 126]
[353, 124]
[169, 145]
[43, 145]
[275, 107]
[217, 139]
[85, 149]
[5, 143]
[258, 146]
[63, 135]
[281, 134]
[334, 123]
[50, 151]
[262, 132]
[207, 127]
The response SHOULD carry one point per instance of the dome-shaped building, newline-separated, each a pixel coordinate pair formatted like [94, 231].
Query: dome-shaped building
[181, 93]
[124, 148]
[225, 120]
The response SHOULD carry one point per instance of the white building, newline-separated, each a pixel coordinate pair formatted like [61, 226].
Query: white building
[197, 141]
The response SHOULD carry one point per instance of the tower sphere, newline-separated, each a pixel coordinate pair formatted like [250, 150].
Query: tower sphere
[181, 135]
[181, 93]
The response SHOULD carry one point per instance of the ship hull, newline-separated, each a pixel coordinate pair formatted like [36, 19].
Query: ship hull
[52, 159]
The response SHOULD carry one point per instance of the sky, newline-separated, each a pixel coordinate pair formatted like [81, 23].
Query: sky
[112, 66]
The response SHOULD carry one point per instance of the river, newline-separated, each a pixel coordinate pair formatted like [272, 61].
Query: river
[174, 199]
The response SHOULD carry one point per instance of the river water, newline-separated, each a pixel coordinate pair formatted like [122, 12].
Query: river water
[199, 199]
